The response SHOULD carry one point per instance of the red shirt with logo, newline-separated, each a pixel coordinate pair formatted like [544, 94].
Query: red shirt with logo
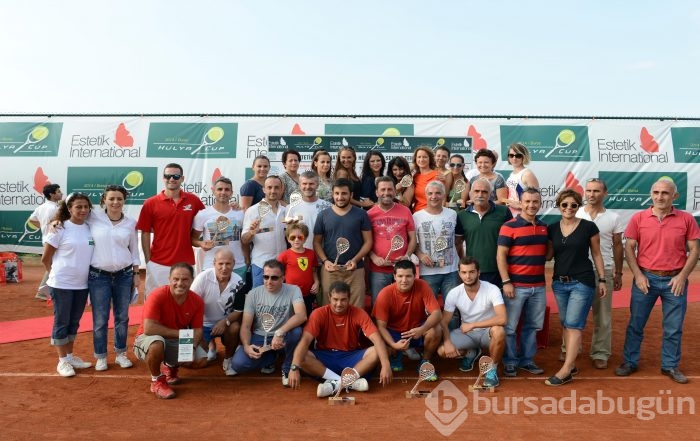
[299, 268]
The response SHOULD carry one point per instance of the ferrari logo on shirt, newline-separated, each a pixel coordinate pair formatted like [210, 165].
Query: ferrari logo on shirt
[303, 263]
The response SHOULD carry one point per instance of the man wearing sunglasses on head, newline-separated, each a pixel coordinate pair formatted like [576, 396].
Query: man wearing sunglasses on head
[167, 219]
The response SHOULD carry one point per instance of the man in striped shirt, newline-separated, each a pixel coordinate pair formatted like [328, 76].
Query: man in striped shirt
[521, 255]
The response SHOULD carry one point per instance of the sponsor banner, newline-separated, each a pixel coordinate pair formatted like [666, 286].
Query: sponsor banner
[383, 129]
[15, 229]
[140, 182]
[30, 139]
[109, 140]
[393, 144]
[192, 140]
[635, 145]
[632, 190]
[548, 143]
[686, 144]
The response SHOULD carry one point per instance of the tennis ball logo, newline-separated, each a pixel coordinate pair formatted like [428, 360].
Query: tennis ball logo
[391, 131]
[566, 137]
[666, 178]
[215, 134]
[132, 180]
[318, 140]
[39, 133]
[380, 141]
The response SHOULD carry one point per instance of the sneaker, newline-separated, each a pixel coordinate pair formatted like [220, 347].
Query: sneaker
[123, 361]
[675, 375]
[509, 370]
[211, 355]
[466, 364]
[556, 381]
[412, 354]
[65, 369]
[41, 296]
[328, 388]
[170, 373]
[396, 365]
[101, 364]
[360, 385]
[433, 377]
[285, 379]
[267, 370]
[161, 388]
[532, 368]
[78, 363]
[491, 379]
[625, 369]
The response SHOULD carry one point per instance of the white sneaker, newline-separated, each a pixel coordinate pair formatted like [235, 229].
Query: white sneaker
[64, 369]
[327, 389]
[412, 354]
[285, 379]
[211, 355]
[360, 385]
[230, 372]
[101, 364]
[123, 361]
[78, 363]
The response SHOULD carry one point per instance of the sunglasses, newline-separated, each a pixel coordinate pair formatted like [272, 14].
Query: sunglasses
[273, 278]
[456, 164]
[76, 195]
[293, 238]
[565, 205]
[169, 177]
[515, 155]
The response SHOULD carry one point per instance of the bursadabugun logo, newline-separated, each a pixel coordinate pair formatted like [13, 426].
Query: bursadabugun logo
[140, 182]
[192, 140]
[632, 190]
[686, 144]
[549, 143]
[30, 139]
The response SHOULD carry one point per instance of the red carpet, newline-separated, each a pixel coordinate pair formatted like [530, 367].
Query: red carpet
[30, 329]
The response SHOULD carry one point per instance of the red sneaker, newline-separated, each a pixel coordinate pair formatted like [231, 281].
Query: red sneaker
[170, 373]
[161, 389]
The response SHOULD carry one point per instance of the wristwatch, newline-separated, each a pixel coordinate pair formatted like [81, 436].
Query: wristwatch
[279, 334]
[293, 367]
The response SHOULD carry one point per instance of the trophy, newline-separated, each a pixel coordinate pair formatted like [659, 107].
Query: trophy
[440, 244]
[342, 245]
[426, 371]
[294, 199]
[458, 188]
[220, 225]
[264, 208]
[347, 377]
[406, 181]
[485, 365]
[267, 321]
[397, 243]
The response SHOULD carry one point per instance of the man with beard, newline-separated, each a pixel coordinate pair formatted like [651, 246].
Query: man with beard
[310, 205]
[350, 223]
[483, 317]
[336, 329]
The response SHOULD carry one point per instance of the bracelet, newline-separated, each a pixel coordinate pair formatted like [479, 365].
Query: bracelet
[507, 281]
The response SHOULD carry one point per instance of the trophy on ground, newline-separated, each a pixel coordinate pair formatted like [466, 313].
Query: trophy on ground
[347, 377]
[397, 243]
[439, 245]
[458, 188]
[426, 371]
[485, 365]
[342, 245]
[294, 199]
[267, 321]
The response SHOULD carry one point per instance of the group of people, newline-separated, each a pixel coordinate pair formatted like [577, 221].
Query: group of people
[288, 276]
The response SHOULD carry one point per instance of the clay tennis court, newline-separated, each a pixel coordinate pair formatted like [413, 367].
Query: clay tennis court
[116, 404]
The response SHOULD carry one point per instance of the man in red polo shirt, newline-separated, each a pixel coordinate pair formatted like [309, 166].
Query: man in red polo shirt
[167, 217]
[665, 240]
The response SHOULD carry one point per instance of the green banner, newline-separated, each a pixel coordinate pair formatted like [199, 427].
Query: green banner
[370, 129]
[686, 144]
[186, 140]
[140, 182]
[394, 144]
[548, 143]
[15, 229]
[30, 139]
[632, 190]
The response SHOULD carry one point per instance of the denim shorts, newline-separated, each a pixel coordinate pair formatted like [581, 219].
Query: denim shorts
[574, 300]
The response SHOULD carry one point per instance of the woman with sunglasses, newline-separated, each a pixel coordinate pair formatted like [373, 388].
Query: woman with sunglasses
[570, 242]
[114, 273]
[372, 168]
[68, 249]
[457, 200]
[321, 164]
[424, 171]
[398, 168]
[252, 190]
[290, 178]
[521, 178]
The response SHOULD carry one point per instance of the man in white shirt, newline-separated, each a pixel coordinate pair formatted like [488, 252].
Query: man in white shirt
[41, 218]
[309, 207]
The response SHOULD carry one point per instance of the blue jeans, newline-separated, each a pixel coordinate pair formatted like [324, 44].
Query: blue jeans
[377, 281]
[106, 292]
[574, 300]
[257, 275]
[68, 308]
[673, 309]
[242, 363]
[441, 283]
[530, 302]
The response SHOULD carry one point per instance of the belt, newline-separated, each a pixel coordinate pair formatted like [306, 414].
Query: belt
[108, 273]
[565, 279]
[662, 273]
